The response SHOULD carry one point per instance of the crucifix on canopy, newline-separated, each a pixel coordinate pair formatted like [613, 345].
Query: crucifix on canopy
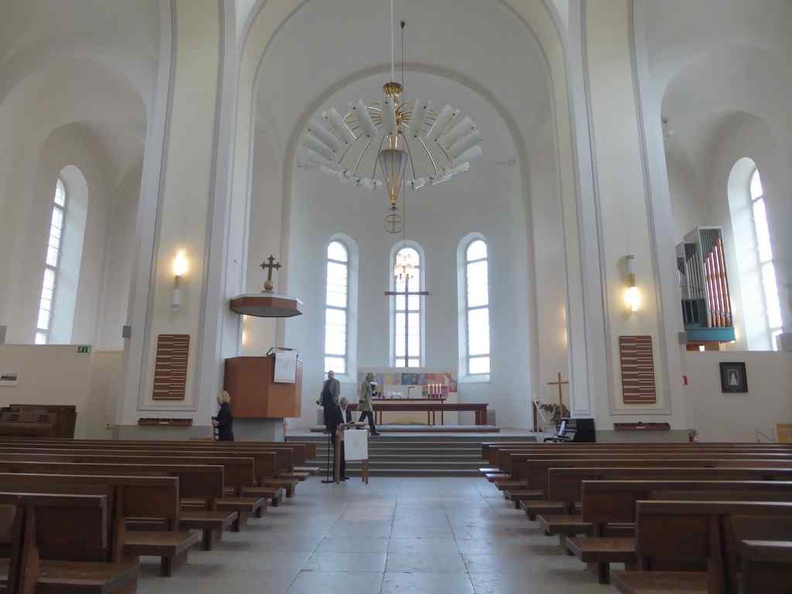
[404, 272]
[269, 265]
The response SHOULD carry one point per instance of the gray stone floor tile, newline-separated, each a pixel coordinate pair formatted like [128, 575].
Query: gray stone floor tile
[427, 583]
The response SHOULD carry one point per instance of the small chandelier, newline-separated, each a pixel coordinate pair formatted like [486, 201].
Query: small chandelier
[393, 143]
[405, 270]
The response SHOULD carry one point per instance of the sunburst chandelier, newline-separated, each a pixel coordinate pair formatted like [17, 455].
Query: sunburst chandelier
[393, 143]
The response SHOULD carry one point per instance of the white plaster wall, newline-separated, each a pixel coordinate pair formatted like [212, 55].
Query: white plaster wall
[749, 136]
[737, 417]
[119, 262]
[69, 145]
[487, 200]
[50, 375]
[686, 190]
[266, 213]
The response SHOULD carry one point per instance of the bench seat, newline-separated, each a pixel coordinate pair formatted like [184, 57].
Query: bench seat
[300, 476]
[273, 494]
[489, 470]
[524, 495]
[655, 582]
[171, 547]
[601, 551]
[566, 524]
[309, 470]
[287, 484]
[245, 506]
[509, 484]
[208, 522]
[79, 577]
[533, 508]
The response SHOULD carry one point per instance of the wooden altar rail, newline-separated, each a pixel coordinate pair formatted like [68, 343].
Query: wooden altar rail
[431, 409]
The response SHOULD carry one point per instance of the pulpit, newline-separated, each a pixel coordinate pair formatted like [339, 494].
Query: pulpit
[259, 403]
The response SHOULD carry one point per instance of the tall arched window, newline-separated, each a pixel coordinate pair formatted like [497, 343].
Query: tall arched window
[475, 308]
[764, 252]
[753, 253]
[44, 321]
[407, 310]
[337, 308]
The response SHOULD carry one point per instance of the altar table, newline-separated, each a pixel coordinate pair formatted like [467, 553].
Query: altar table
[430, 406]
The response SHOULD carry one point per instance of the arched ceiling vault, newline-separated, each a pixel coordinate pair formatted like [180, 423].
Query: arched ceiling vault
[326, 46]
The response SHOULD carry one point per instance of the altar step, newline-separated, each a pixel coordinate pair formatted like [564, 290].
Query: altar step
[414, 455]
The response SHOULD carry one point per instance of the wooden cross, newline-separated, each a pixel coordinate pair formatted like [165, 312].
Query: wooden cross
[407, 294]
[269, 265]
[559, 383]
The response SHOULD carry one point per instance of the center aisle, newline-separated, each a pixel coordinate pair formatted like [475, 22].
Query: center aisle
[405, 535]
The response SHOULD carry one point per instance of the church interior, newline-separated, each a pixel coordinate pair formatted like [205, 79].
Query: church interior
[509, 242]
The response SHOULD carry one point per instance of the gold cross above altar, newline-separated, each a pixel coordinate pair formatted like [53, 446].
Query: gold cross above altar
[559, 383]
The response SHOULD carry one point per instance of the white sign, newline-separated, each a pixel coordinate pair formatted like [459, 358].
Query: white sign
[285, 367]
[355, 444]
[8, 379]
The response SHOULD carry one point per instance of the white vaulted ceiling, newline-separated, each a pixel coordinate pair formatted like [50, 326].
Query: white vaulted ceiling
[457, 51]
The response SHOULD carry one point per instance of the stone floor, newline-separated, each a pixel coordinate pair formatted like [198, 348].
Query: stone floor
[406, 535]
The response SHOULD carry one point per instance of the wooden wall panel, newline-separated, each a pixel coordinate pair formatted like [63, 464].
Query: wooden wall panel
[637, 366]
[170, 370]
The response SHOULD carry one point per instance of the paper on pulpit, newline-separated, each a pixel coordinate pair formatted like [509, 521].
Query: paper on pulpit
[355, 444]
[285, 367]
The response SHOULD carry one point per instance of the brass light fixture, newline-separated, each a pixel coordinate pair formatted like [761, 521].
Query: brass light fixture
[393, 143]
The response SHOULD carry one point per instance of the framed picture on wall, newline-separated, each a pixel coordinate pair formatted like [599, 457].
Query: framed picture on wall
[733, 378]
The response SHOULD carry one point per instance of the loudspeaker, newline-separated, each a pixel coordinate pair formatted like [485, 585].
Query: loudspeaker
[584, 430]
[126, 331]
[3, 334]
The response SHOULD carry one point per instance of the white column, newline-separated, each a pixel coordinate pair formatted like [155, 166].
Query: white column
[182, 185]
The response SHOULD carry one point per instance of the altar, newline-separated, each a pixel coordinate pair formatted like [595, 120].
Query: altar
[408, 396]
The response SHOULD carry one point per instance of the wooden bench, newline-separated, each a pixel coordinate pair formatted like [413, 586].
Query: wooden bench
[608, 503]
[766, 566]
[60, 544]
[238, 472]
[537, 470]
[202, 482]
[268, 462]
[130, 497]
[693, 546]
[515, 484]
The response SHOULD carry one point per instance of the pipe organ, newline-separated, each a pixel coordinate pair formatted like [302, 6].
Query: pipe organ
[704, 284]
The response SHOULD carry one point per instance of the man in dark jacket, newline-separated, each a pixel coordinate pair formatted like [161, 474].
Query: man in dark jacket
[331, 390]
[339, 416]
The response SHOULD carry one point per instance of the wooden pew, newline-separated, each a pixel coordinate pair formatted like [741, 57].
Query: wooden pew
[608, 503]
[514, 484]
[265, 465]
[766, 566]
[239, 472]
[272, 475]
[501, 458]
[151, 497]
[203, 482]
[64, 546]
[537, 471]
[693, 546]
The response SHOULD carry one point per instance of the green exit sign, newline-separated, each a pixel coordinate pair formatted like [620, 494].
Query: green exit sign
[83, 349]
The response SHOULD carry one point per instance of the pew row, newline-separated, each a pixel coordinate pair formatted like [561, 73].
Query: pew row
[59, 544]
[694, 546]
[129, 497]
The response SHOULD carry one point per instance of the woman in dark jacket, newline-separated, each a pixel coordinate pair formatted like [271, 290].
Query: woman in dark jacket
[225, 420]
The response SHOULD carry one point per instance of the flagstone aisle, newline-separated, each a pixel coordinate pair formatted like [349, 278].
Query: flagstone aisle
[406, 535]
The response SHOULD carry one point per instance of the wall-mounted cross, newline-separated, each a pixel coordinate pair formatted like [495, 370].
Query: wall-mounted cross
[269, 265]
[406, 293]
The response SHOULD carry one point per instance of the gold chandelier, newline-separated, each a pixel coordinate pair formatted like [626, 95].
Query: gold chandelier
[393, 143]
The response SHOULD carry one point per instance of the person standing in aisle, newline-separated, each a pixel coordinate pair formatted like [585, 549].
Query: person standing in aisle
[331, 390]
[365, 402]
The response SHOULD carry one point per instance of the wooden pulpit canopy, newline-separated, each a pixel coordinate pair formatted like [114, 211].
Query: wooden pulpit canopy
[266, 305]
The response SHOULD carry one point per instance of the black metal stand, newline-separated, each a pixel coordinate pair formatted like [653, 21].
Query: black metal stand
[327, 480]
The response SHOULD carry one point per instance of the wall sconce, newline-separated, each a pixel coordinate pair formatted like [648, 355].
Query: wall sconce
[179, 270]
[632, 296]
